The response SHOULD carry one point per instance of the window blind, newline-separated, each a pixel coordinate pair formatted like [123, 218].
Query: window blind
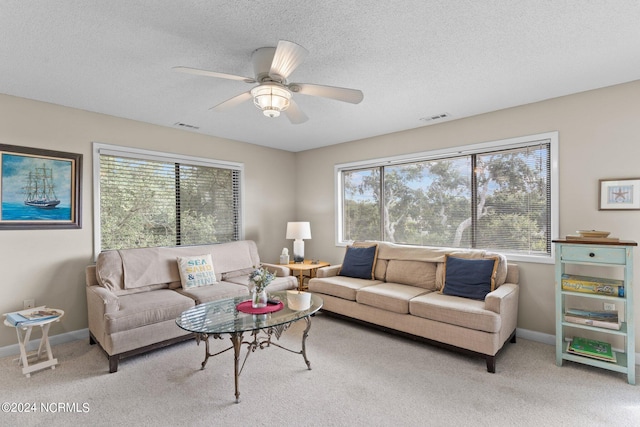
[147, 202]
[492, 197]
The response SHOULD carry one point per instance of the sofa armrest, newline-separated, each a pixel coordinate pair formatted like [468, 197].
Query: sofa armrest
[90, 276]
[329, 271]
[101, 300]
[280, 270]
[503, 300]
[513, 273]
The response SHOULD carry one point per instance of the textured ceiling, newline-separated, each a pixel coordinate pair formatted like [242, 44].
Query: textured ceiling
[411, 58]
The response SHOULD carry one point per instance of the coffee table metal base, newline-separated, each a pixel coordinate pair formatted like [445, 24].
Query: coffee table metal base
[261, 338]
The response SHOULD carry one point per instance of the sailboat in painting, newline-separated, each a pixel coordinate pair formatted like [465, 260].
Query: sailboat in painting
[39, 190]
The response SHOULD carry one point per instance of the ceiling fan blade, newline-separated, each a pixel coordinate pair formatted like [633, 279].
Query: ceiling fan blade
[206, 73]
[295, 114]
[353, 96]
[287, 58]
[232, 102]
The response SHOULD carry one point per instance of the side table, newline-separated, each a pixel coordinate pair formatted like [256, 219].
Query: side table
[298, 269]
[24, 330]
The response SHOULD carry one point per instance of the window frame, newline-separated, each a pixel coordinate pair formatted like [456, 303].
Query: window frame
[478, 148]
[144, 154]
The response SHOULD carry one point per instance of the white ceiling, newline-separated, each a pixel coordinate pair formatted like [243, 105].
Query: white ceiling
[411, 58]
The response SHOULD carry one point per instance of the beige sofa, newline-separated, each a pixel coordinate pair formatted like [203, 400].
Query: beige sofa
[405, 296]
[135, 295]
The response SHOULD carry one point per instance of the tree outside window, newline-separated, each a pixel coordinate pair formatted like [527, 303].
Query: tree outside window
[494, 200]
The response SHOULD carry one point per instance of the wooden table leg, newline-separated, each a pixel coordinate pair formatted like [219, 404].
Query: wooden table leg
[23, 342]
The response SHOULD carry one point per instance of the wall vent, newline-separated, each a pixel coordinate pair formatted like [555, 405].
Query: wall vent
[435, 117]
[184, 125]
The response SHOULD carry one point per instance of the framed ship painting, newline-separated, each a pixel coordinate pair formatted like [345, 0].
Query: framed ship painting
[39, 189]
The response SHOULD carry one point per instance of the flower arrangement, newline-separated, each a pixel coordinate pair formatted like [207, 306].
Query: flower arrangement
[260, 278]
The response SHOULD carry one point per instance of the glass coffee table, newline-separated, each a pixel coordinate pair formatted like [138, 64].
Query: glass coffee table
[218, 318]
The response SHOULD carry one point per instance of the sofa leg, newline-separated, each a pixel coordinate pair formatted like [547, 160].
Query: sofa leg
[113, 364]
[491, 364]
[92, 340]
[513, 339]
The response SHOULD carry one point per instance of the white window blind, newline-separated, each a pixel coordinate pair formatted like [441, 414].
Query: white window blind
[493, 196]
[154, 199]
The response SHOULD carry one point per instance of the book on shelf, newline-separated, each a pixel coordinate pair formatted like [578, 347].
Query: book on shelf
[591, 348]
[606, 315]
[25, 317]
[600, 323]
[593, 285]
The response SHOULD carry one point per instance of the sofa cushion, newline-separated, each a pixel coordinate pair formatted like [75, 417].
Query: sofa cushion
[221, 290]
[501, 271]
[232, 256]
[416, 273]
[340, 286]
[278, 284]
[380, 272]
[140, 270]
[389, 296]
[458, 311]
[110, 275]
[469, 278]
[146, 308]
[359, 262]
[196, 271]
[243, 272]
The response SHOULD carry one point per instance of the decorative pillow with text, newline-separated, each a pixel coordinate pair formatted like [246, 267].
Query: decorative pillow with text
[196, 271]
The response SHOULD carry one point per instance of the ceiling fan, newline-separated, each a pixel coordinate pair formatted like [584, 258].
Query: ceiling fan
[272, 95]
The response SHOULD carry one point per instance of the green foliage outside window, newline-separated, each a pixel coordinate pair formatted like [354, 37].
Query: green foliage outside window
[498, 200]
[146, 203]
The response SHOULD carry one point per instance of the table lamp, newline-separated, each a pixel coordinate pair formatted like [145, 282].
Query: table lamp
[298, 231]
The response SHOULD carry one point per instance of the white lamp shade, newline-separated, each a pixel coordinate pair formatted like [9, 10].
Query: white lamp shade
[271, 99]
[298, 230]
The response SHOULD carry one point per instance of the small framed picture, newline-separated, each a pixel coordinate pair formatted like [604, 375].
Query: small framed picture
[620, 194]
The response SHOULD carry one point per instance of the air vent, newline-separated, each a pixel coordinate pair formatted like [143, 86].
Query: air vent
[435, 117]
[184, 125]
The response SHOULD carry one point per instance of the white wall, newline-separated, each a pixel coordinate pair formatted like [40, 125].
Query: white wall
[599, 137]
[48, 265]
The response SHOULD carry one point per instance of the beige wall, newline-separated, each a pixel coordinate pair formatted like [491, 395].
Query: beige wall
[599, 137]
[48, 265]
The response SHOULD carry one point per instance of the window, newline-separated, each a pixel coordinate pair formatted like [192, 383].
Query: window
[498, 196]
[147, 199]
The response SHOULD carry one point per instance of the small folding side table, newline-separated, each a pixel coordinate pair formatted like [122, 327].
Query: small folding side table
[24, 335]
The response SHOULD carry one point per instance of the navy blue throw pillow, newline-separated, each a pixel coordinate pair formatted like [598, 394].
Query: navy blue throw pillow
[359, 262]
[469, 278]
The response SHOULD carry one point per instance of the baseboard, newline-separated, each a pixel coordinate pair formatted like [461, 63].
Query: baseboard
[82, 334]
[14, 350]
[536, 336]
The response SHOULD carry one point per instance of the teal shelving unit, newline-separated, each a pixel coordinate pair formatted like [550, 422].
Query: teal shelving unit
[612, 255]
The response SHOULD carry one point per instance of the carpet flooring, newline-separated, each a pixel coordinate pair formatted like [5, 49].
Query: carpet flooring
[360, 377]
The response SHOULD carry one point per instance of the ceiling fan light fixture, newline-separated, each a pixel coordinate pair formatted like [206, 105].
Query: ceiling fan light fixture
[271, 98]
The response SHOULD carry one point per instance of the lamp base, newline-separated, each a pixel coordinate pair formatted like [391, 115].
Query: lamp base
[298, 251]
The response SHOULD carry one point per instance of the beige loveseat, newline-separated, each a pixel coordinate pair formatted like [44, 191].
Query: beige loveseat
[405, 296]
[135, 295]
